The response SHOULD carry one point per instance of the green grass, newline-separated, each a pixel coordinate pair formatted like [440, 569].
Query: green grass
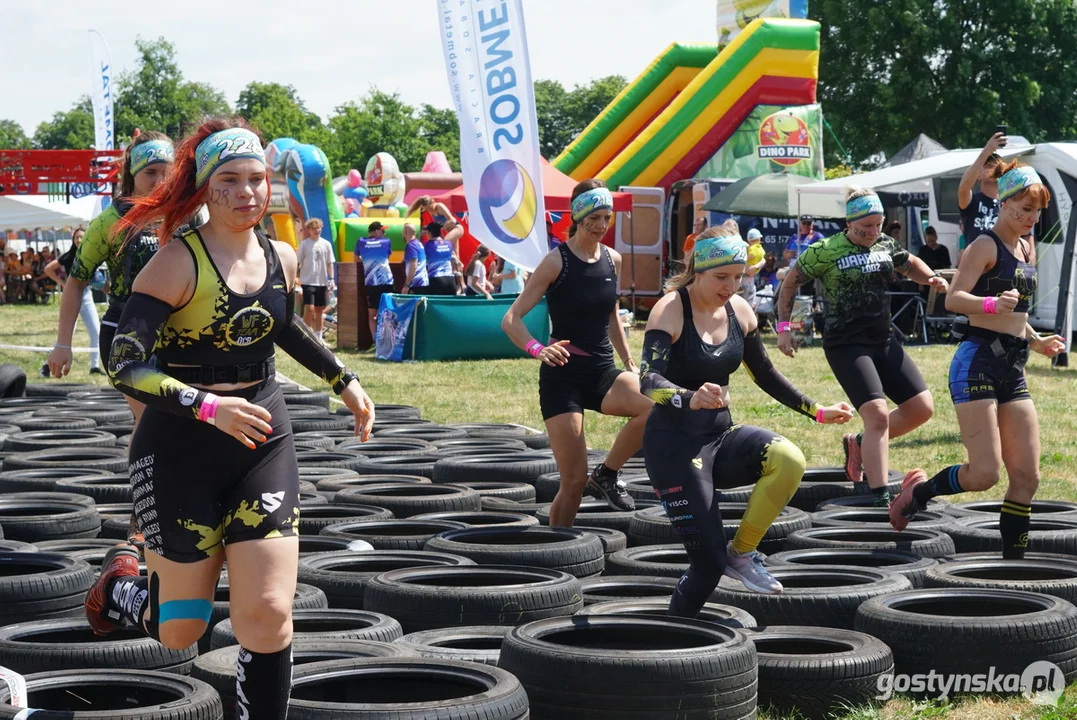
[507, 391]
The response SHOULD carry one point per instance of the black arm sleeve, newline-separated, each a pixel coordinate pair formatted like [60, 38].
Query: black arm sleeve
[656, 344]
[129, 365]
[772, 382]
[299, 341]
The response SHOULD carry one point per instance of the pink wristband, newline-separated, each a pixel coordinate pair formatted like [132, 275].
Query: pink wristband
[819, 416]
[534, 348]
[784, 327]
[207, 411]
[990, 305]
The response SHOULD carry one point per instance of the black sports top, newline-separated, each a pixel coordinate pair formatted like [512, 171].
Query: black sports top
[693, 362]
[581, 301]
[1009, 273]
[218, 326]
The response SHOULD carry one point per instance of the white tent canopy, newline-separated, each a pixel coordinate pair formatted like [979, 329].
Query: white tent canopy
[28, 212]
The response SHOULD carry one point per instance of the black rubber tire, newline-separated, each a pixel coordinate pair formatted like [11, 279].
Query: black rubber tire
[910, 565]
[824, 483]
[308, 411]
[506, 467]
[317, 474]
[515, 491]
[925, 543]
[497, 504]
[609, 667]
[314, 424]
[472, 443]
[726, 615]
[69, 644]
[610, 588]
[878, 517]
[423, 431]
[343, 576]
[393, 534]
[314, 519]
[571, 551]
[477, 452]
[548, 484]
[866, 500]
[638, 488]
[12, 381]
[386, 423]
[651, 524]
[117, 695]
[29, 423]
[106, 459]
[1047, 557]
[321, 544]
[30, 520]
[388, 447]
[823, 596]
[472, 643]
[427, 598]
[969, 631]
[399, 465]
[597, 513]
[491, 430]
[407, 499]
[311, 499]
[354, 480]
[32, 440]
[1046, 577]
[307, 597]
[106, 489]
[393, 412]
[482, 519]
[325, 625]
[100, 413]
[42, 479]
[991, 508]
[36, 585]
[318, 439]
[406, 689]
[612, 540]
[61, 390]
[649, 560]
[65, 547]
[300, 398]
[14, 546]
[818, 673]
[321, 458]
[1050, 533]
[536, 441]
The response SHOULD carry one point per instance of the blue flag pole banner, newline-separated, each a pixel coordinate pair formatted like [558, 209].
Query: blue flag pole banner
[489, 73]
[101, 99]
[394, 320]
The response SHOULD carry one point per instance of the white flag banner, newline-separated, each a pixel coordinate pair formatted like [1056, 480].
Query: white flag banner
[101, 97]
[490, 79]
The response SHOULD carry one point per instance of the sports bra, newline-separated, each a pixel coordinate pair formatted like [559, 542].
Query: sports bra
[693, 362]
[218, 326]
[581, 301]
[1009, 273]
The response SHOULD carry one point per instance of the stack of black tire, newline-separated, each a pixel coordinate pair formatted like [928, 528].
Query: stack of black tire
[431, 584]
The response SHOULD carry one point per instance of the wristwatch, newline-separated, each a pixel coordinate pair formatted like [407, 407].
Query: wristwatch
[344, 381]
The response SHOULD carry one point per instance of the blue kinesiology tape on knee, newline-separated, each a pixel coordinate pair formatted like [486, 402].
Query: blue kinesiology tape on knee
[195, 609]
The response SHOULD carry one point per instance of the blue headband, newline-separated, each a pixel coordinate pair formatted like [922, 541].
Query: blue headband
[593, 200]
[149, 153]
[223, 147]
[861, 207]
[1017, 180]
[710, 253]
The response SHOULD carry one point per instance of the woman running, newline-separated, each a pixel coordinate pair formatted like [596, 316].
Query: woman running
[869, 363]
[213, 464]
[579, 280]
[59, 270]
[994, 284]
[416, 280]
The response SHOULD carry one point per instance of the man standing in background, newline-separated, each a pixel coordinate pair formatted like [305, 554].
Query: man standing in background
[315, 274]
[799, 242]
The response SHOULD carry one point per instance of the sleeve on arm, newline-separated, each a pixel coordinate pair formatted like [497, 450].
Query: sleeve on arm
[899, 254]
[656, 345]
[92, 251]
[772, 382]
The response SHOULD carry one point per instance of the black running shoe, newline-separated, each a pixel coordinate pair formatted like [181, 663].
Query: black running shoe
[604, 486]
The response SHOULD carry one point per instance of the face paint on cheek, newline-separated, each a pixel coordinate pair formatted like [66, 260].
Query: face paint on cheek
[219, 197]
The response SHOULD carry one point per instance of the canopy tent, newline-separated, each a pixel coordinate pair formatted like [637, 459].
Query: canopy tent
[920, 148]
[28, 212]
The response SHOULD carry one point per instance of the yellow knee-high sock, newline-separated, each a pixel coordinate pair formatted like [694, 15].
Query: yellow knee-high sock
[783, 467]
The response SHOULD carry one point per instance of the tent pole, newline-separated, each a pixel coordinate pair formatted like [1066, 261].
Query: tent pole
[632, 225]
[1063, 316]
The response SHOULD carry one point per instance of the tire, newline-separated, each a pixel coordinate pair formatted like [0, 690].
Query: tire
[120, 695]
[302, 398]
[353, 480]
[14, 546]
[536, 441]
[100, 413]
[618, 588]
[727, 615]
[491, 430]
[608, 667]
[477, 452]
[1051, 534]
[35, 583]
[314, 424]
[394, 412]
[546, 487]
[473, 643]
[984, 508]
[32, 440]
[482, 519]
[325, 625]
[388, 447]
[640, 488]
[1049, 578]
[647, 524]
[320, 544]
[106, 459]
[515, 491]
[30, 423]
[824, 483]
[106, 489]
[317, 439]
[597, 513]
[317, 474]
[471, 443]
[308, 411]
[393, 534]
[307, 597]
[30, 520]
[423, 431]
[910, 565]
[428, 598]
[60, 389]
[866, 500]
[818, 673]
[496, 504]
[12, 381]
[313, 519]
[508, 467]
[878, 517]
[311, 499]
[343, 576]
[967, 631]
[571, 551]
[61, 644]
[347, 461]
[407, 689]
[403, 465]
[42, 479]
[612, 540]
[410, 499]
[822, 596]
[925, 543]
[1047, 557]
[650, 526]
[65, 547]
[649, 560]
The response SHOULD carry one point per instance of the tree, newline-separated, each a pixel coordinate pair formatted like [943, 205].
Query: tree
[440, 130]
[278, 112]
[563, 115]
[12, 136]
[70, 130]
[379, 122]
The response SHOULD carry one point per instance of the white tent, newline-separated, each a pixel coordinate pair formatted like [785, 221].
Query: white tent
[27, 212]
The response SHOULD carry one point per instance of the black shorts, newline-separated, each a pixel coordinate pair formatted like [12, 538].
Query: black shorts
[581, 383]
[374, 293]
[197, 489]
[444, 285]
[314, 295]
[989, 366]
[875, 372]
[108, 333]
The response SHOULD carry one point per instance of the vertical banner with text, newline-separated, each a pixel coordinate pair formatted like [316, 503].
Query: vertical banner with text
[489, 75]
[101, 98]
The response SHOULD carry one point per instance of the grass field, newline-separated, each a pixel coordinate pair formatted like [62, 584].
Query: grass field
[507, 391]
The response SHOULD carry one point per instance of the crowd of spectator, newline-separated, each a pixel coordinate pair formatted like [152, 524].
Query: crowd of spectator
[24, 279]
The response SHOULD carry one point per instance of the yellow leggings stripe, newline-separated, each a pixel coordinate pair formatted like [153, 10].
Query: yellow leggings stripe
[783, 467]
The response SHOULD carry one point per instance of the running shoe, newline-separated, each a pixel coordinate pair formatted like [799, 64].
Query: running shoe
[610, 488]
[135, 537]
[854, 459]
[749, 569]
[120, 562]
[905, 505]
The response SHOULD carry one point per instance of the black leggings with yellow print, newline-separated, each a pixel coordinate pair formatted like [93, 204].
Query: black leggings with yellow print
[197, 489]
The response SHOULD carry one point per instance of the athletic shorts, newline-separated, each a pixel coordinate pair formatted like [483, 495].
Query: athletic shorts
[314, 295]
[989, 366]
[580, 384]
[444, 285]
[197, 489]
[875, 372]
[374, 293]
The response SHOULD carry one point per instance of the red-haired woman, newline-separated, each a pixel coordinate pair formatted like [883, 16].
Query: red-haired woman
[994, 284]
[213, 464]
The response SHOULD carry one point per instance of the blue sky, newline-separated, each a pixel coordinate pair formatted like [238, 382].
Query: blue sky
[331, 51]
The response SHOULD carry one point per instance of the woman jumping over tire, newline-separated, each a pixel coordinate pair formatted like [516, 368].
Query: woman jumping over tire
[994, 284]
[579, 280]
[868, 361]
[697, 336]
[213, 464]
